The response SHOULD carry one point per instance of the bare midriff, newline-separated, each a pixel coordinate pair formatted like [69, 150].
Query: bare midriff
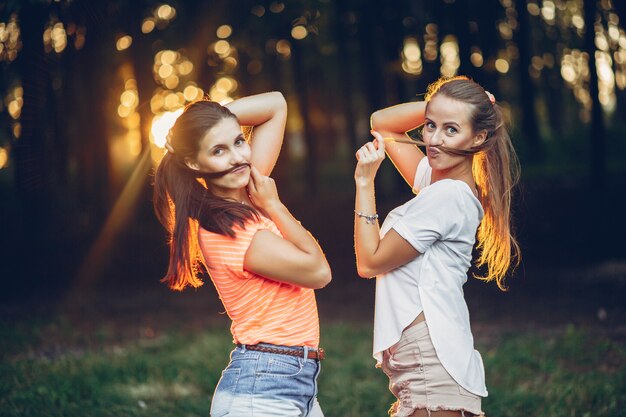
[420, 318]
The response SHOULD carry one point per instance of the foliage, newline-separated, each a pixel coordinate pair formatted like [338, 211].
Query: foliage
[570, 373]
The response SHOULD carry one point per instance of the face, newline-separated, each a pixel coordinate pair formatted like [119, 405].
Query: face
[223, 148]
[447, 123]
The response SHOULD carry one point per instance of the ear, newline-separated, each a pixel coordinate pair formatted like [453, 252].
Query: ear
[480, 138]
[192, 164]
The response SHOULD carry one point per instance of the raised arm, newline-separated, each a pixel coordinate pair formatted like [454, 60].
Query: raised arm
[373, 255]
[267, 114]
[296, 257]
[395, 122]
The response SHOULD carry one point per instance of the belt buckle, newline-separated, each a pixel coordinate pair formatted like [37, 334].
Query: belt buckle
[321, 354]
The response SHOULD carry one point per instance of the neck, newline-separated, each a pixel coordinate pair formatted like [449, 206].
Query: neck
[460, 172]
[240, 195]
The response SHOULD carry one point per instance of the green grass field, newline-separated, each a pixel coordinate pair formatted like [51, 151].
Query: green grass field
[173, 373]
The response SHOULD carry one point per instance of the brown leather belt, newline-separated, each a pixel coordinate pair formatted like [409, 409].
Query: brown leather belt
[318, 354]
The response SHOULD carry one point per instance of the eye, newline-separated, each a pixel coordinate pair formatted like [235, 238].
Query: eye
[218, 151]
[430, 125]
[239, 141]
[451, 130]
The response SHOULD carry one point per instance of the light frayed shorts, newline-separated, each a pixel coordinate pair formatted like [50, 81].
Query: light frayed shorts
[419, 380]
[264, 384]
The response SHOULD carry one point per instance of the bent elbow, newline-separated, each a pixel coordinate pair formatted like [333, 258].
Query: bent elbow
[322, 278]
[375, 120]
[365, 272]
[279, 100]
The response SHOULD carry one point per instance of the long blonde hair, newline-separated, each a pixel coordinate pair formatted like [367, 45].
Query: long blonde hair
[495, 169]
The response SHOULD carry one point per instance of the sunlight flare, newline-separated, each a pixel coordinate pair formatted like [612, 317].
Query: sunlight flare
[161, 125]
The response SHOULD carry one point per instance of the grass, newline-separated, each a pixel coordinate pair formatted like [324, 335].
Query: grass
[173, 373]
[574, 374]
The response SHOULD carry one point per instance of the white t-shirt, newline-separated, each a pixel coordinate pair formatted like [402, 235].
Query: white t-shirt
[440, 223]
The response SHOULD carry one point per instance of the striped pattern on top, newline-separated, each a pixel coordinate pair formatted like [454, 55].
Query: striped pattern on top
[261, 310]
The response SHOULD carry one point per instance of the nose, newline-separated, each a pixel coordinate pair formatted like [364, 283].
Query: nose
[237, 157]
[436, 138]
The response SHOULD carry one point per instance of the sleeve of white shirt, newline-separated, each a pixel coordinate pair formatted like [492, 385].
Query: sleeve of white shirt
[422, 175]
[434, 215]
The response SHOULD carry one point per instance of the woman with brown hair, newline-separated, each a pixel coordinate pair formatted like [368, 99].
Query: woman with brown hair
[422, 253]
[213, 194]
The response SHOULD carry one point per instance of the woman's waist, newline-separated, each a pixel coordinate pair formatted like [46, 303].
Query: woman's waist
[279, 334]
[301, 351]
[419, 319]
[256, 307]
[298, 343]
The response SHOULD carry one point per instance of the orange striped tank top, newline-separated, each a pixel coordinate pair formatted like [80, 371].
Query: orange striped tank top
[261, 309]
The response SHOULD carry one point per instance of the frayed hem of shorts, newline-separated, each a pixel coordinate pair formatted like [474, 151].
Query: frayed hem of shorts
[393, 411]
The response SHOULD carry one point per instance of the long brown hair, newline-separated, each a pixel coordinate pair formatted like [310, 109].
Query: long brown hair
[495, 168]
[183, 202]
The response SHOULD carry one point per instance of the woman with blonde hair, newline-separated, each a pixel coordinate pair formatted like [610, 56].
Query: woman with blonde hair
[213, 194]
[422, 253]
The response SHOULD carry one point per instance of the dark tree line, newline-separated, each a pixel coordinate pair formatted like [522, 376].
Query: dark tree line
[59, 177]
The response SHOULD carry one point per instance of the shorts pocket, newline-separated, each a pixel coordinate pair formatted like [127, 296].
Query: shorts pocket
[403, 359]
[466, 393]
[225, 392]
[281, 367]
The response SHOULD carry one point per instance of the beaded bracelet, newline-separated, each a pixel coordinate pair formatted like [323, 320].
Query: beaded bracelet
[369, 219]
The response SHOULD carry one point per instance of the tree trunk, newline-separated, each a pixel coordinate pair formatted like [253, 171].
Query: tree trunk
[346, 71]
[94, 162]
[369, 36]
[29, 156]
[302, 80]
[142, 59]
[460, 11]
[527, 89]
[554, 87]
[29, 160]
[489, 42]
[597, 134]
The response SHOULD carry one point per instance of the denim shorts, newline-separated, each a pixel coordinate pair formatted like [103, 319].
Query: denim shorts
[264, 384]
